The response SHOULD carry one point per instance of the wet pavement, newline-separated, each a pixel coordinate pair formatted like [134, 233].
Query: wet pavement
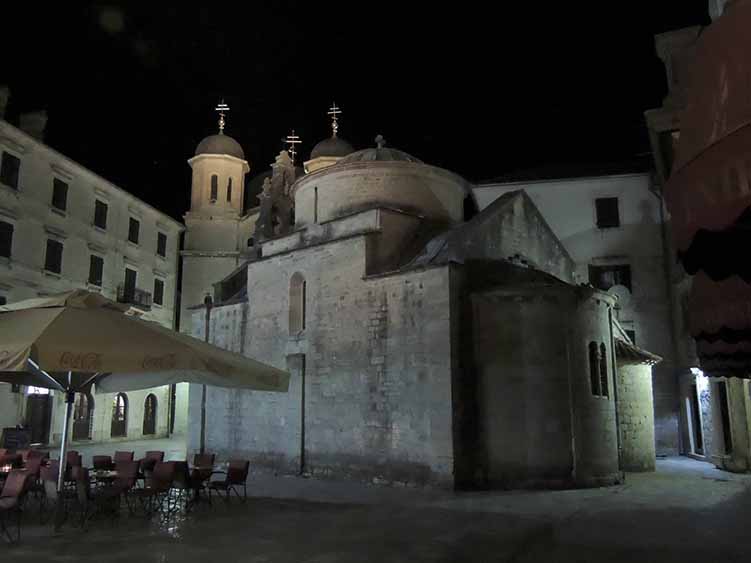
[687, 511]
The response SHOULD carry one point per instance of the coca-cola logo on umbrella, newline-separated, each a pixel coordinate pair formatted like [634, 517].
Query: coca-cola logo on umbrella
[81, 361]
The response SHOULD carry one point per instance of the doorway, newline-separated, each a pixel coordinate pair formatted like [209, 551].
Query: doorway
[696, 428]
[38, 417]
[83, 412]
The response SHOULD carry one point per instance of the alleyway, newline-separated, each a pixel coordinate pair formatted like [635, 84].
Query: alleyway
[685, 512]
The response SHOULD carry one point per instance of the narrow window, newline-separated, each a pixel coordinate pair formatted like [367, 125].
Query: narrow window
[161, 244]
[297, 304]
[603, 371]
[59, 194]
[229, 189]
[129, 289]
[6, 239]
[96, 270]
[53, 259]
[149, 414]
[3, 300]
[83, 409]
[158, 291]
[9, 168]
[631, 336]
[214, 187]
[315, 204]
[594, 370]
[605, 277]
[607, 212]
[251, 241]
[119, 426]
[133, 230]
[100, 214]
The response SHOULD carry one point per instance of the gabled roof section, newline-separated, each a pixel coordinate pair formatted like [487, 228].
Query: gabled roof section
[511, 228]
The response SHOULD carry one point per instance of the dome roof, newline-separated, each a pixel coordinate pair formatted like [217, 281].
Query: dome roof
[333, 146]
[220, 144]
[379, 153]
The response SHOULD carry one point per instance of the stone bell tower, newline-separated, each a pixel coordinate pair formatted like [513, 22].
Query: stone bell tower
[212, 238]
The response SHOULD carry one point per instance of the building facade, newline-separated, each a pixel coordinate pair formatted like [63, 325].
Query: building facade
[64, 227]
[425, 346]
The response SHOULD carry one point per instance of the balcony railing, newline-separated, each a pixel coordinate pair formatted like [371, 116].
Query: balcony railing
[133, 296]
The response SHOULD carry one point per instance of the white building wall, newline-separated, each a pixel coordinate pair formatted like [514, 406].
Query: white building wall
[569, 208]
[29, 209]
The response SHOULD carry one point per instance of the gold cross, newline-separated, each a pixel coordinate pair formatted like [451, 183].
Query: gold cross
[292, 140]
[222, 108]
[334, 112]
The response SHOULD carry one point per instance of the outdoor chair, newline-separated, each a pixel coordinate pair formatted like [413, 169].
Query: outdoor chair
[150, 460]
[11, 500]
[73, 459]
[102, 462]
[153, 495]
[90, 504]
[123, 456]
[24, 454]
[33, 467]
[203, 466]
[48, 475]
[13, 459]
[127, 474]
[236, 476]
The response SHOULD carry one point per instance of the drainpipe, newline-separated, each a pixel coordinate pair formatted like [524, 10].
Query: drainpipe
[208, 302]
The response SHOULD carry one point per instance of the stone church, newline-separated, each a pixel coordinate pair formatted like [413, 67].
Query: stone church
[428, 344]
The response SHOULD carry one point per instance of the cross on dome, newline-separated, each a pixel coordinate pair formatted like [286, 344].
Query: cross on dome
[291, 141]
[334, 112]
[222, 108]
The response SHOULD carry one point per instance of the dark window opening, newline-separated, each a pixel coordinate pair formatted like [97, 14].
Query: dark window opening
[6, 239]
[3, 300]
[603, 371]
[632, 336]
[100, 214]
[119, 426]
[129, 291]
[607, 212]
[229, 189]
[605, 277]
[161, 244]
[9, 168]
[59, 194]
[214, 187]
[149, 415]
[158, 292]
[96, 270]
[133, 230]
[722, 398]
[696, 419]
[83, 410]
[594, 370]
[251, 241]
[53, 260]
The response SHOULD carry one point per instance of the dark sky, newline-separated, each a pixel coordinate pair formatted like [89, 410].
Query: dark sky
[482, 89]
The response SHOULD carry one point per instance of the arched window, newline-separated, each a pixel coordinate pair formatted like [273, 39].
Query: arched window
[119, 416]
[214, 187]
[229, 189]
[149, 414]
[83, 416]
[603, 371]
[594, 368]
[296, 304]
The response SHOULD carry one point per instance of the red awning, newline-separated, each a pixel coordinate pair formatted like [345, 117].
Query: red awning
[717, 305]
[710, 185]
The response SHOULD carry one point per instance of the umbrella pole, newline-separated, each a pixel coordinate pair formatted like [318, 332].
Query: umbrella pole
[59, 508]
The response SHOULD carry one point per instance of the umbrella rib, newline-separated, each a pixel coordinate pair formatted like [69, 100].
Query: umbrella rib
[39, 371]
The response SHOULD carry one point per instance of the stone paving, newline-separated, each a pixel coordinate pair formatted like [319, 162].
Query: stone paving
[687, 511]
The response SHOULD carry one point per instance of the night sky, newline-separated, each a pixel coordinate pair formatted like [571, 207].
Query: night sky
[481, 89]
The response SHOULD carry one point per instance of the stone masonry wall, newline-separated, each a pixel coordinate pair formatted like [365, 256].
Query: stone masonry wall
[636, 417]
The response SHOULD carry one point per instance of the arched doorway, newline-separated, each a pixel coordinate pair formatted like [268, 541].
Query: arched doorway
[119, 426]
[83, 413]
[149, 415]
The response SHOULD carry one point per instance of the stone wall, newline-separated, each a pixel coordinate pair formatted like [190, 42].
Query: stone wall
[10, 406]
[636, 416]
[370, 395]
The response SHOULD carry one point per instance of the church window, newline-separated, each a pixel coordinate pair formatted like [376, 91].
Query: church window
[607, 212]
[119, 426]
[149, 415]
[9, 168]
[6, 239]
[603, 371]
[605, 277]
[229, 189]
[214, 187]
[594, 369]
[297, 304]
[133, 230]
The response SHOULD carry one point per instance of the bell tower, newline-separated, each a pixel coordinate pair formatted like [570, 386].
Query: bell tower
[212, 237]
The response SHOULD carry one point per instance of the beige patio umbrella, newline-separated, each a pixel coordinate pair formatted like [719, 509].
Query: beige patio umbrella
[70, 341]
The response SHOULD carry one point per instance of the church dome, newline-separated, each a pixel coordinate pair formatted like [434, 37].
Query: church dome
[220, 144]
[332, 147]
[380, 153]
